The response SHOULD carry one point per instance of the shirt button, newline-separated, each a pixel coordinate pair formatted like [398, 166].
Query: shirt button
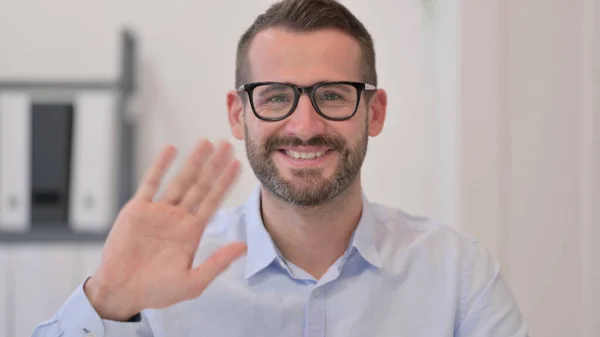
[316, 292]
[89, 333]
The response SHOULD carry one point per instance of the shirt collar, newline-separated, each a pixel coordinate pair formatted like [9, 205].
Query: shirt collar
[262, 250]
[365, 237]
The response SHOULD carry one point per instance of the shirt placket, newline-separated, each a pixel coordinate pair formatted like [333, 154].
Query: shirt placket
[315, 313]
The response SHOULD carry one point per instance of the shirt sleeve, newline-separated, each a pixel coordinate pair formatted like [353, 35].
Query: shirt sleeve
[78, 318]
[488, 307]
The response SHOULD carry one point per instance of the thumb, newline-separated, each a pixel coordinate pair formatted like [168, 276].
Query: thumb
[213, 266]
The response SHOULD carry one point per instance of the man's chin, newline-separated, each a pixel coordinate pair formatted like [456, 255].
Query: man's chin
[307, 181]
[306, 197]
[306, 174]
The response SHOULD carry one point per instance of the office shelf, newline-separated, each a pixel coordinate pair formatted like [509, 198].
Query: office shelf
[51, 233]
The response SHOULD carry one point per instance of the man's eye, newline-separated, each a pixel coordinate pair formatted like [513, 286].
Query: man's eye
[277, 99]
[330, 96]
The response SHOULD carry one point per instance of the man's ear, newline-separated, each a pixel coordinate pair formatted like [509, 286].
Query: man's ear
[235, 107]
[377, 109]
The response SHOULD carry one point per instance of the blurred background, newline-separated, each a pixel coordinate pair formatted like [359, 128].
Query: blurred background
[493, 128]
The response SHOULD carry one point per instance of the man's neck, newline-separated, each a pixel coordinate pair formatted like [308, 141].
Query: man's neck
[312, 238]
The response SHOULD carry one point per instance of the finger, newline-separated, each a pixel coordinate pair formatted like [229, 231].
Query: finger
[153, 177]
[214, 265]
[206, 178]
[215, 197]
[179, 186]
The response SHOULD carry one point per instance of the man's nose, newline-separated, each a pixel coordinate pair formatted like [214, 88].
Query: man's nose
[305, 122]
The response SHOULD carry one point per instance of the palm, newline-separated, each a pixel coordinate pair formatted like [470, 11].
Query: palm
[150, 250]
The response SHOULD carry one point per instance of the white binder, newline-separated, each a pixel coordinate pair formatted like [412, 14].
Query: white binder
[15, 161]
[93, 190]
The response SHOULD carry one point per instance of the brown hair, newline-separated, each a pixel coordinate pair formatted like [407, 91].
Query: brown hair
[306, 16]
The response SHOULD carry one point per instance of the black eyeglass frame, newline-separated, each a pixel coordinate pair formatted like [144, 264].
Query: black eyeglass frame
[310, 90]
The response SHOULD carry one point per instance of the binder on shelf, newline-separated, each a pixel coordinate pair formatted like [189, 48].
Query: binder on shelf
[93, 196]
[15, 161]
[51, 130]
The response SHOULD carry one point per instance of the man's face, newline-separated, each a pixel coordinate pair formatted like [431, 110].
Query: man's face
[306, 181]
[330, 153]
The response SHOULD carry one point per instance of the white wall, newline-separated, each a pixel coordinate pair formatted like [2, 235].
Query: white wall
[529, 153]
[593, 219]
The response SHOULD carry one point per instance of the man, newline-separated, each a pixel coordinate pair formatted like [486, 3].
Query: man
[308, 255]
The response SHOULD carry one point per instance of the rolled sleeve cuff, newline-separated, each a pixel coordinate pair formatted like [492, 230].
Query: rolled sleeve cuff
[77, 317]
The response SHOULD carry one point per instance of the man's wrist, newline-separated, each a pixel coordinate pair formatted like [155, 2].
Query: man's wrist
[101, 297]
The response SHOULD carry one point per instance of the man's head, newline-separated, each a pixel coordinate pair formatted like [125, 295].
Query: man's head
[307, 148]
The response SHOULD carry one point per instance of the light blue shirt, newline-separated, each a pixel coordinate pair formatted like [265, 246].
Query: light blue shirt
[401, 276]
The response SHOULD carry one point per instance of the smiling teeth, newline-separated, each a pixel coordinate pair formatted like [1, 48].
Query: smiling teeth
[304, 155]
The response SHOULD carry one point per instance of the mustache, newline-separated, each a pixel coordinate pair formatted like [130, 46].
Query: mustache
[333, 142]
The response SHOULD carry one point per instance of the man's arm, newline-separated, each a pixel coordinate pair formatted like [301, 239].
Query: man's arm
[488, 307]
[77, 317]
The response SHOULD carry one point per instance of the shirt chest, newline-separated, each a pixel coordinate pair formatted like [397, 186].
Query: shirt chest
[367, 305]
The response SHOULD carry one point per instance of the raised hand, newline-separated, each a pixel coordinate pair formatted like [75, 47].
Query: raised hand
[148, 255]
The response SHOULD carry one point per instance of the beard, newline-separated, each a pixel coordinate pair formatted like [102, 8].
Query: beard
[307, 186]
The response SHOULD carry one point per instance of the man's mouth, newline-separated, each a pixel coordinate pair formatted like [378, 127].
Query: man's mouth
[303, 155]
[300, 154]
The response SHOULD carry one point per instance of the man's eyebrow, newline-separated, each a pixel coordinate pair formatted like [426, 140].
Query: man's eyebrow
[343, 87]
[272, 88]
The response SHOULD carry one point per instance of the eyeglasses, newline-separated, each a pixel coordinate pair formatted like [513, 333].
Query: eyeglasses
[275, 101]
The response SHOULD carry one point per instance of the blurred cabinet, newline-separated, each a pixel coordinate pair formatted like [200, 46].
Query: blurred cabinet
[36, 280]
[4, 288]
[66, 153]
[44, 277]
[87, 260]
